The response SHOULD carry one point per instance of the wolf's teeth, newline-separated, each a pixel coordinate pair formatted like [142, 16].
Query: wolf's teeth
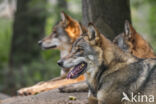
[72, 74]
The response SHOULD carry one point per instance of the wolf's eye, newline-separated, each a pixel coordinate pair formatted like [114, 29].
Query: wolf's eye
[56, 36]
[79, 52]
[79, 49]
[54, 32]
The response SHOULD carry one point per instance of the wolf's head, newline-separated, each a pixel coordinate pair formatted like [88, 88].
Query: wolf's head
[126, 39]
[86, 53]
[132, 42]
[64, 33]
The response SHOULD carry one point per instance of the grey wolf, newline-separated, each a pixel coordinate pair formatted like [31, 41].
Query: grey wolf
[109, 71]
[62, 37]
[132, 42]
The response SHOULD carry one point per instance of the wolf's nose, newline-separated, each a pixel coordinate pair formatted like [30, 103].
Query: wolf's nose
[60, 63]
[40, 43]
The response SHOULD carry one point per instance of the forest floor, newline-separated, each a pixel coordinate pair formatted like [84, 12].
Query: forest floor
[49, 97]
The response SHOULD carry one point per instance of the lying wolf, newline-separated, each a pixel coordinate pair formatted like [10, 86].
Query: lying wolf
[110, 72]
[63, 42]
[132, 42]
[129, 41]
[62, 38]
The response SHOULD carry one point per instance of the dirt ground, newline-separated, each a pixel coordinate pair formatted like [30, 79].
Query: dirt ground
[3, 96]
[49, 97]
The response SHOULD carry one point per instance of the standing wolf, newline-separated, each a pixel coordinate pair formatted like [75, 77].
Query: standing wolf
[62, 38]
[109, 71]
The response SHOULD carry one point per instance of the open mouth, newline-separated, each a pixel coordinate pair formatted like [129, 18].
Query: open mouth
[54, 46]
[77, 70]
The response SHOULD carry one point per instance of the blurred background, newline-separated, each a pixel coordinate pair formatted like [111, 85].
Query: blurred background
[24, 22]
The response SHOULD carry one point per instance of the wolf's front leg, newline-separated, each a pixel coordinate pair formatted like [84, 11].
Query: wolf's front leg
[49, 85]
[40, 87]
[76, 87]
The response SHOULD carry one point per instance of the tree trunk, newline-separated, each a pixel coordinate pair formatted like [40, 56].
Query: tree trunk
[108, 15]
[62, 4]
[28, 28]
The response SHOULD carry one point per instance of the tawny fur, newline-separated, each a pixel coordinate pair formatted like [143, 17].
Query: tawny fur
[136, 44]
[68, 30]
[111, 71]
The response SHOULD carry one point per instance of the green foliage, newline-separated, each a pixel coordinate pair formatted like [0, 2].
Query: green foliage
[152, 22]
[39, 70]
[5, 40]
[144, 19]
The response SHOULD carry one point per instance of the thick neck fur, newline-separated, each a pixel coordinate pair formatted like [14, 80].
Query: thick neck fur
[112, 53]
[142, 48]
[110, 58]
[65, 50]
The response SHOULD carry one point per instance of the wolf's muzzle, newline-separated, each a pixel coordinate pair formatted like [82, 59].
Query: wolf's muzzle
[60, 63]
[40, 43]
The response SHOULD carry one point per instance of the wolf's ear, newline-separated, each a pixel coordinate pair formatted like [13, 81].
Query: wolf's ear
[72, 26]
[66, 19]
[92, 32]
[129, 30]
[64, 16]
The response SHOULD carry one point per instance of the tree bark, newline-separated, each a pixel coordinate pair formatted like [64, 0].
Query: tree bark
[108, 15]
[62, 4]
[28, 27]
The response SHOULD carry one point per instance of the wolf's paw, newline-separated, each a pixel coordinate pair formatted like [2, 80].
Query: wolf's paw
[65, 89]
[26, 92]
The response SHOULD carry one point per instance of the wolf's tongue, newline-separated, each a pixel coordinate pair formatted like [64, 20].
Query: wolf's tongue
[77, 70]
[72, 72]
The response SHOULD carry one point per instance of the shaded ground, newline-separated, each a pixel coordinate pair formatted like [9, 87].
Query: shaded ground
[3, 96]
[49, 97]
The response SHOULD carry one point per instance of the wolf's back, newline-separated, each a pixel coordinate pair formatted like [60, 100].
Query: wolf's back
[150, 84]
